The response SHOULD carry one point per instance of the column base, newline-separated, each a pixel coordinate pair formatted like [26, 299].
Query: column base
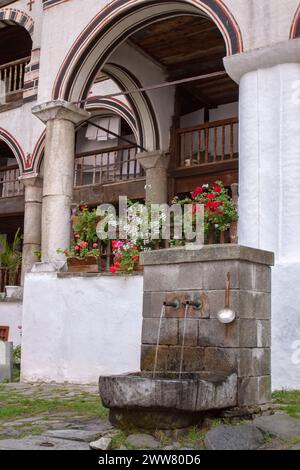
[47, 267]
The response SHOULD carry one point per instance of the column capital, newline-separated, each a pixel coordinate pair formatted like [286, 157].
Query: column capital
[284, 52]
[154, 159]
[60, 110]
[32, 180]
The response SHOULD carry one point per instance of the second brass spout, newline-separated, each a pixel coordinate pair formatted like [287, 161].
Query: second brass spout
[197, 304]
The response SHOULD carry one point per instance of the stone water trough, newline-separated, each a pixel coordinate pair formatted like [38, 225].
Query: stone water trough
[191, 361]
[167, 400]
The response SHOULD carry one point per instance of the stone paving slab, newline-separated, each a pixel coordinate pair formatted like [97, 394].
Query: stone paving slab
[280, 425]
[239, 437]
[85, 435]
[42, 443]
[80, 435]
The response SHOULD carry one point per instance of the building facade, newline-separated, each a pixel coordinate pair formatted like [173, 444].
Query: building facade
[99, 99]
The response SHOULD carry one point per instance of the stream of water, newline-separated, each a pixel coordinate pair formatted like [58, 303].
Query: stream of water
[162, 315]
[183, 339]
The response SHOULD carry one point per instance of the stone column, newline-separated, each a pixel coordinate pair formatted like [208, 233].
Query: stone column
[269, 184]
[155, 165]
[32, 221]
[60, 118]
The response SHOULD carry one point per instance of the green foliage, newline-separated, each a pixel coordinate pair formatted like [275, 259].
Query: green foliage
[287, 397]
[290, 398]
[11, 256]
[85, 240]
[38, 254]
[126, 256]
[17, 354]
[13, 405]
[219, 208]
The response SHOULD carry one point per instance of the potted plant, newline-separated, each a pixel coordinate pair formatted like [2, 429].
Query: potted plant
[219, 208]
[10, 261]
[126, 257]
[83, 253]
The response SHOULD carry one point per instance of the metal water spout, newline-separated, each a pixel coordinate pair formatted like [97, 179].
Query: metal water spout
[197, 304]
[175, 304]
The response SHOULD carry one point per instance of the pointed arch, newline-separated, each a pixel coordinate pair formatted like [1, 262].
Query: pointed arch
[15, 147]
[295, 28]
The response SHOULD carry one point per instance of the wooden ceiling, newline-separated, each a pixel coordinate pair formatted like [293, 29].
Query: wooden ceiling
[15, 43]
[188, 46]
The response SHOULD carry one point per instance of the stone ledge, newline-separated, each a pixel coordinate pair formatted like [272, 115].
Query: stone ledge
[7, 300]
[116, 276]
[207, 253]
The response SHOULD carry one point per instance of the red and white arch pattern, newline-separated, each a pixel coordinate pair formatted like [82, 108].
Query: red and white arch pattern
[19, 17]
[120, 19]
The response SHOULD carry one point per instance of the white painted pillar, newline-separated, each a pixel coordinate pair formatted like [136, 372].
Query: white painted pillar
[60, 118]
[32, 221]
[269, 160]
[269, 186]
[155, 164]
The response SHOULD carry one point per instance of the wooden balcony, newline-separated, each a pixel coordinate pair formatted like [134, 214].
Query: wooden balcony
[107, 166]
[204, 153]
[12, 83]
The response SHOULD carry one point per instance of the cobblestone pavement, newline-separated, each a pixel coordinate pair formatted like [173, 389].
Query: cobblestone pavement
[70, 417]
[50, 416]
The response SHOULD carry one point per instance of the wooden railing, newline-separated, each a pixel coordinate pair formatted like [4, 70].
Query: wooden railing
[107, 166]
[10, 185]
[209, 143]
[12, 75]
[7, 279]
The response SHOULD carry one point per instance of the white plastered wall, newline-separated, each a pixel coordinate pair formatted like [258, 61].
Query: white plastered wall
[11, 316]
[78, 328]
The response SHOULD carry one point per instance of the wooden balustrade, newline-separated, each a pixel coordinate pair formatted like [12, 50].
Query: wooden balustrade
[10, 185]
[12, 75]
[209, 143]
[107, 166]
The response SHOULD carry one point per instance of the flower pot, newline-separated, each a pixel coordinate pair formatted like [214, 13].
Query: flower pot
[14, 292]
[84, 265]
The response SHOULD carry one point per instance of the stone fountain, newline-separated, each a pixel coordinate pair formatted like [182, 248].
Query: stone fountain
[195, 357]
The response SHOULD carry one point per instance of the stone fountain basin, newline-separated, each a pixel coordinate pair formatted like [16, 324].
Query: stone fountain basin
[193, 392]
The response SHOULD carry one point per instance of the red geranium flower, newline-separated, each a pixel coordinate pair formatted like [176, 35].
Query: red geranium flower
[212, 205]
[198, 190]
[116, 244]
[217, 189]
[83, 244]
[113, 269]
[135, 258]
[77, 248]
[211, 196]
